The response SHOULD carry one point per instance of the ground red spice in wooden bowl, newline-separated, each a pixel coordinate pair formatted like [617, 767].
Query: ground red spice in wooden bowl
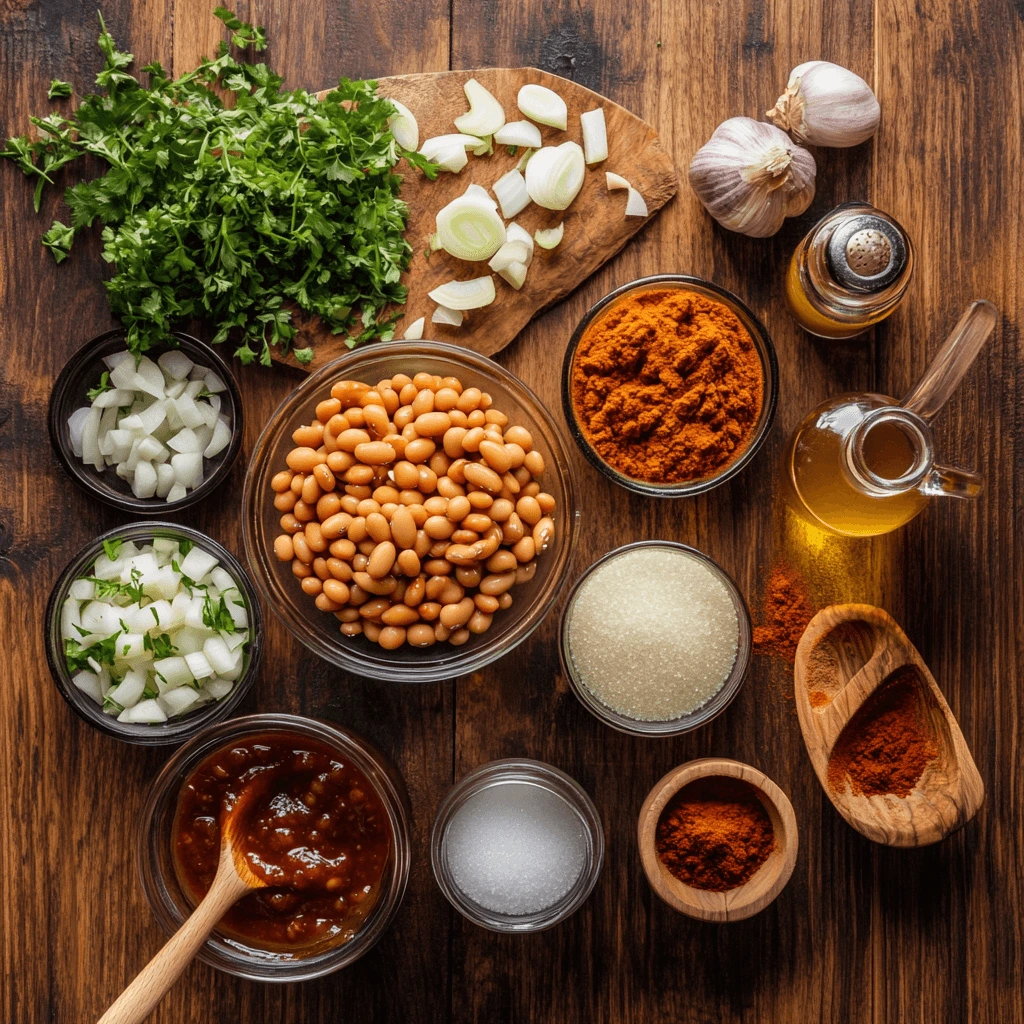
[667, 385]
[886, 745]
[714, 833]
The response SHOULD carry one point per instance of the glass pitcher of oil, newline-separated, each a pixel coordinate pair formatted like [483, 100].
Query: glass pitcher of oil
[864, 464]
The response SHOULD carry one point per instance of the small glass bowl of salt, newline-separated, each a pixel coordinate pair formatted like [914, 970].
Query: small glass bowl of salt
[517, 846]
[655, 638]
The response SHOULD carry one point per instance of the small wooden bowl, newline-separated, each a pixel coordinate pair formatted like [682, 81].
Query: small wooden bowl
[762, 887]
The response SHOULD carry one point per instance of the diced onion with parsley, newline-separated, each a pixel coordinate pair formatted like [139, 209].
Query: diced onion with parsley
[469, 228]
[154, 422]
[154, 630]
[543, 105]
[462, 295]
[485, 115]
[554, 175]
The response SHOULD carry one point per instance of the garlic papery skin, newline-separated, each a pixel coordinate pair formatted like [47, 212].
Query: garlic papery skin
[750, 176]
[827, 105]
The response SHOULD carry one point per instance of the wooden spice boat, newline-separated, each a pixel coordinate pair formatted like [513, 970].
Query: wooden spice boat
[847, 657]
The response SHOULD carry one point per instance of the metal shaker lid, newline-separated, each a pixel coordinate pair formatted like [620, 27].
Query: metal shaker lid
[866, 252]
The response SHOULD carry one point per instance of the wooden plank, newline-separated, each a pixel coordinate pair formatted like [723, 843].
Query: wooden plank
[594, 227]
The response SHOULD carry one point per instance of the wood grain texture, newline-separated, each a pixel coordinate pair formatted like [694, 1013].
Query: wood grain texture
[862, 933]
[762, 887]
[595, 228]
[846, 654]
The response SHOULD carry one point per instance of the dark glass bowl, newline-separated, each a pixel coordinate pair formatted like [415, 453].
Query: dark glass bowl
[769, 366]
[181, 727]
[83, 371]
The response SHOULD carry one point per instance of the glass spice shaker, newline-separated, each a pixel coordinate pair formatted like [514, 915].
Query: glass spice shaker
[849, 272]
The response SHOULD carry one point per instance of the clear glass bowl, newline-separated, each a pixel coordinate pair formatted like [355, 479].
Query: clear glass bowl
[550, 779]
[154, 856]
[83, 371]
[182, 727]
[769, 365]
[685, 723]
[319, 630]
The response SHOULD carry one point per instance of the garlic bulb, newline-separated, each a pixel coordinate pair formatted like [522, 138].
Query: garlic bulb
[827, 105]
[751, 177]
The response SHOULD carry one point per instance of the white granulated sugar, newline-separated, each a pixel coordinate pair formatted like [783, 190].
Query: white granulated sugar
[653, 634]
[515, 848]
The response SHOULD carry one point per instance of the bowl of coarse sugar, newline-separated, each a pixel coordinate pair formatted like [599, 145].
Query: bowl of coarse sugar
[655, 639]
[669, 385]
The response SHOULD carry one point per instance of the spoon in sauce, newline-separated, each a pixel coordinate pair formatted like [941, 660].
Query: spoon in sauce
[233, 880]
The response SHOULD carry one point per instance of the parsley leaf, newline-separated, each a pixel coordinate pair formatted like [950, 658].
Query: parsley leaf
[58, 90]
[92, 394]
[112, 548]
[237, 211]
[184, 546]
[161, 646]
[102, 652]
[217, 616]
[107, 590]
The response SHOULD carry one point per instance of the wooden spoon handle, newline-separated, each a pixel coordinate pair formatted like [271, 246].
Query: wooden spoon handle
[139, 999]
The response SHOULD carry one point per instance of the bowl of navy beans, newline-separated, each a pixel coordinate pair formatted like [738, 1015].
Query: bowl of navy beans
[141, 649]
[150, 434]
[410, 511]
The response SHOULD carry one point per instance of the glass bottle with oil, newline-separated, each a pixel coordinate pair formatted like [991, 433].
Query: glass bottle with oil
[864, 464]
[849, 272]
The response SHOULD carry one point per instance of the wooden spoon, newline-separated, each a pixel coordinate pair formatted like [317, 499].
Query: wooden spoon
[762, 887]
[847, 652]
[233, 880]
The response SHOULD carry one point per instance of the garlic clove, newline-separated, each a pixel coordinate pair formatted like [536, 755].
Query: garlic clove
[827, 105]
[750, 176]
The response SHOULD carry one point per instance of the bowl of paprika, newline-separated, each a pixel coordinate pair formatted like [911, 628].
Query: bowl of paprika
[669, 385]
[718, 839]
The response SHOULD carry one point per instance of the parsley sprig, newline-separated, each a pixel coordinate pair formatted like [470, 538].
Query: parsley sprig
[232, 212]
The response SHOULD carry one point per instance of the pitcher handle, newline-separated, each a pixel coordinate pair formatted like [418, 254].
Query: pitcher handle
[947, 482]
[960, 349]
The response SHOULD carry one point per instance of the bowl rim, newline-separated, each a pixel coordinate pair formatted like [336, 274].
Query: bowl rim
[173, 731]
[382, 773]
[525, 771]
[770, 371]
[470, 658]
[86, 478]
[762, 887]
[708, 711]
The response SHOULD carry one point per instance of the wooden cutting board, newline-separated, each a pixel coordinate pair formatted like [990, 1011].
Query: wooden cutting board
[595, 228]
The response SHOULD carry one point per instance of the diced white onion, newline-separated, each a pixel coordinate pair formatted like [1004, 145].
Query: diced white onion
[473, 189]
[76, 424]
[524, 160]
[441, 143]
[595, 135]
[463, 295]
[514, 274]
[414, 332]
[635, 205]
[403, 126]
[554, 175]
[519, 133]
[510, 252]
[175, 364]
[469, 228]
[550, 237]
[515, 233]
[448, 317]
[543, 105]
[451, 158]
[512, 193]
[614, 181]
[485, 115]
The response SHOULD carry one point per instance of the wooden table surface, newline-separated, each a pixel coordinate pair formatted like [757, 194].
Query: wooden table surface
[861, 933]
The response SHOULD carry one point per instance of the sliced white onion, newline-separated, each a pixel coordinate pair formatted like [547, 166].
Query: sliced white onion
[465, 294]
[481, 193]
[595, 135]
[510, 252]
[76, 423]
[524, 160]
[635, 205]
[614, 181]
[550, 237]
[512, 193]
[554, 175]
[449, 317]
[485, 115]
[514, 274]
[414, 332]
[435, 242]
[441, 143]
[519, 133]
[469, 228]
[542, 105]
[515, 233]
[451, 158]
[403, 126]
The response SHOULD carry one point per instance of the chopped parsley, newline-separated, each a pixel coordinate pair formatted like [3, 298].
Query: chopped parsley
[234, 213]
[92, 394]
[161, 645]
[512, 150]
[108, 590]
[112, 548]
[217, 616]
[185, 545]
[102, 652]
[58, 90]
